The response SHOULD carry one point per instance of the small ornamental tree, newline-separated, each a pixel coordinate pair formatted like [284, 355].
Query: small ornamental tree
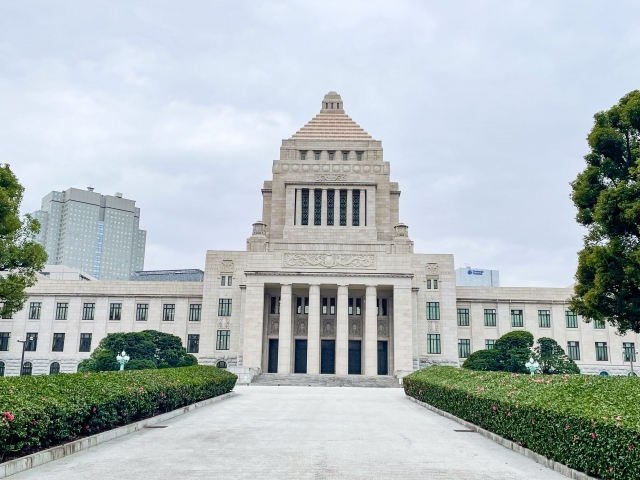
[552, 358]
[509, 354]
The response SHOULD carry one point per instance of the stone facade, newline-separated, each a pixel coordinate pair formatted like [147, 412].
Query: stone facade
[329, 283]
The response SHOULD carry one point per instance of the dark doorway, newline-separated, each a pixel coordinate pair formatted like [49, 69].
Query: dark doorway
[301, 357]
[355, 357]
[328, 356]
[383, 362]
[273, 356]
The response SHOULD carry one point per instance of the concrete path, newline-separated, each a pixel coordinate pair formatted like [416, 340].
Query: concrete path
[300, 433]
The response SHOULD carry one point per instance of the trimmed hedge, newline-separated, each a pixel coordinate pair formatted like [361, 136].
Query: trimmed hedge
[40, 411]
[589, 423]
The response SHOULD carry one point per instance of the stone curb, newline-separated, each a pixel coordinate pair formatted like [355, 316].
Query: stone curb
[542, 460]
[54, 453]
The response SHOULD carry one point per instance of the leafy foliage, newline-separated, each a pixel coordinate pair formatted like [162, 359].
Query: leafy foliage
[147, 349]
[588, 423]
[20, 256]
[509, 354]
[552, 359]
[39, 411]
[607, 196]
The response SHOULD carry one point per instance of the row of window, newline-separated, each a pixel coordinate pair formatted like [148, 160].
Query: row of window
[228, 279]
[331, 154]
[357, 196]
[115, 311]
[31, 344]
[517, 318]
[329, 306]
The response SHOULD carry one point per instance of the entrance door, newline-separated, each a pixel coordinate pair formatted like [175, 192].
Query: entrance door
[273, 356]
[355, 357]
[300, 365]
[328, 356]
[383, 368]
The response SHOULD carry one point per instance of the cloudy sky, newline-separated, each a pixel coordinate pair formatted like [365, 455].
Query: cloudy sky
[482, 107]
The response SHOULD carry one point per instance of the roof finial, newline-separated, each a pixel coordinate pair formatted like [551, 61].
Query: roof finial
[332, 103]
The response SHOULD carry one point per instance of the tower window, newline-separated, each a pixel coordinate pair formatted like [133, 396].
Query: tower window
[317, 155]
[303, 155]
[343, 208]
[317, 207]
[355, 200]
[305, 207]
[331, 155]
[345, 156]
[359, 156]
[330, 204]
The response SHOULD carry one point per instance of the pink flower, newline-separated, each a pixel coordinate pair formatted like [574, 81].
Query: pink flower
[419, 392]
[567, 427]
[516, 406]
[618, 417]
[141, 389]
[519, 443]
[87, 427]
[593, 435]
[124, 414]
[605, 418]
[611, 469]
[33, 422]
[94, 409]
[618, 425]
[495, 408]
[44, 399]
[8, 416]
[508, 414]
[630, 447]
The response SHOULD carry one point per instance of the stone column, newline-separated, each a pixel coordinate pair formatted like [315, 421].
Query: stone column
[323, 222]
[298, 206]
[313, 331]
[371, 207]
[342, 331]
[402, 329]
[363, 203]
[284, 332]
[370, 332]
[336, 207]
[253, 325]
[349, 207]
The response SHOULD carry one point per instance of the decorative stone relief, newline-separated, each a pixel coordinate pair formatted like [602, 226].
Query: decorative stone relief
[433, 327]
[227, 266]
[377, 169]
[328, 327]
[322, 260]
[355, 328]
[383, 328]
[336, 168]
[356, 168]
[274, 326]
[223, 323]
[331, 177]
[301, 326]
[431, 269]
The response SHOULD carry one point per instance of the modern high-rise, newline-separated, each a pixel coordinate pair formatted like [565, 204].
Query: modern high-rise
[96, 233]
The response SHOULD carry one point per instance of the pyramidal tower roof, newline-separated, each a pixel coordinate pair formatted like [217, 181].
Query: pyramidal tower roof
[331, 123]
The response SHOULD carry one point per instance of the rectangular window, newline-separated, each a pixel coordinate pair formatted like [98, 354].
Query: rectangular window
[223, 280]
[273, 307]
[331, 155]
[433, 310]
[32, 342]
[463, 317]
[222, 342]
[428, 284]
[142, 312]
[464, 347]
[229, 280]
[599, 324]
[4, 341]
[343, 208]
[629, 352]
[355, 203]
[433, 343]
[517, 319]
[317, 207]
[358, 306]
[325, 305]
[85, 342]
[224, 307]
[303, 155]
[168, 312]
[384, 303]
[573, 350]
[61, 310]
[489, 344]
[345, 156]
[316, 155]
[489, 317]
[332, 306]
[305, 207]
[88, 311]
[359, 156]
[602, 354]
[195, 312]
[330, 205]
[435, 284]
[34, 310]
[299, 305]
[306, 305]
[544, 318]
[193, 343]
[58, 342]
[6, 315]
[571, 318]
[350, 306]
[115, 311]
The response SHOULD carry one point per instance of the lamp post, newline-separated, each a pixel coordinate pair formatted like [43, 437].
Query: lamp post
[123, 358]
[24, 344]
[629, 353]
[532, 365]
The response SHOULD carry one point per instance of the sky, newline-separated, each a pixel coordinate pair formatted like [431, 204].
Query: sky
[482, 107]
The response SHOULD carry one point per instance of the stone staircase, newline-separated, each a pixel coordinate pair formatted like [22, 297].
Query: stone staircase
[304, 380]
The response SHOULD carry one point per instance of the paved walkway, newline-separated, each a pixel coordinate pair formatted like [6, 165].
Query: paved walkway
[300, 433]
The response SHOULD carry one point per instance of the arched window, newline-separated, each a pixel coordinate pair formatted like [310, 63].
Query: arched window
[1, 369]
[27, 368]
[54, 368]
[221, 364]
[604, 374]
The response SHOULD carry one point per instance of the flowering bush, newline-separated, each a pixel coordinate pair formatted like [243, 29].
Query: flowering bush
[39, 411]
[590, 424]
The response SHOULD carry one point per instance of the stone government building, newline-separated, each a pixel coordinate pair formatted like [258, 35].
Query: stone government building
[329, 284]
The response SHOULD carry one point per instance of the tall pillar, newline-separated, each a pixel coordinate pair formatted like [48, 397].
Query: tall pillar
[402, 330]
[349, 207]
[253, 325]
[342, 331]
[371, 332]
[284, 332]
[313, 331]
[336, 207]
[298, 206]
[323, 222]
[363, 209]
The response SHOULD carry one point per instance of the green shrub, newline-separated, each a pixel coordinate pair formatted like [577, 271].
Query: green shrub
[552, 358]
[483, 360]
[516, 339]
[39, 411]
[588, 423]
[140, 365]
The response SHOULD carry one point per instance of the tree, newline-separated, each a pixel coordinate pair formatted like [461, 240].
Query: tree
[552, 359]
[509, 354]
[20, 256]
[607, 196]
[147, 349]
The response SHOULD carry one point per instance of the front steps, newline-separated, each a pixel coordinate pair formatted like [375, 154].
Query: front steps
[304, 380]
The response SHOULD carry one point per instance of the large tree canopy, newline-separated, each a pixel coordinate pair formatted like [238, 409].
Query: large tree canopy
[607, 196]
[20, 256]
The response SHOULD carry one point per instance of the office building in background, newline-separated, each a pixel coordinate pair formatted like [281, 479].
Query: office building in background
[477, 277]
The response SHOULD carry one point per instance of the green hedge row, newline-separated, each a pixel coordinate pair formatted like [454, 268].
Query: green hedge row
[40, 411]
[588, 423]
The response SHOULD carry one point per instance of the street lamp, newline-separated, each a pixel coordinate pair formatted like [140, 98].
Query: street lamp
[123, 358]
[532, 365]
[24, 344]
[630, 354]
